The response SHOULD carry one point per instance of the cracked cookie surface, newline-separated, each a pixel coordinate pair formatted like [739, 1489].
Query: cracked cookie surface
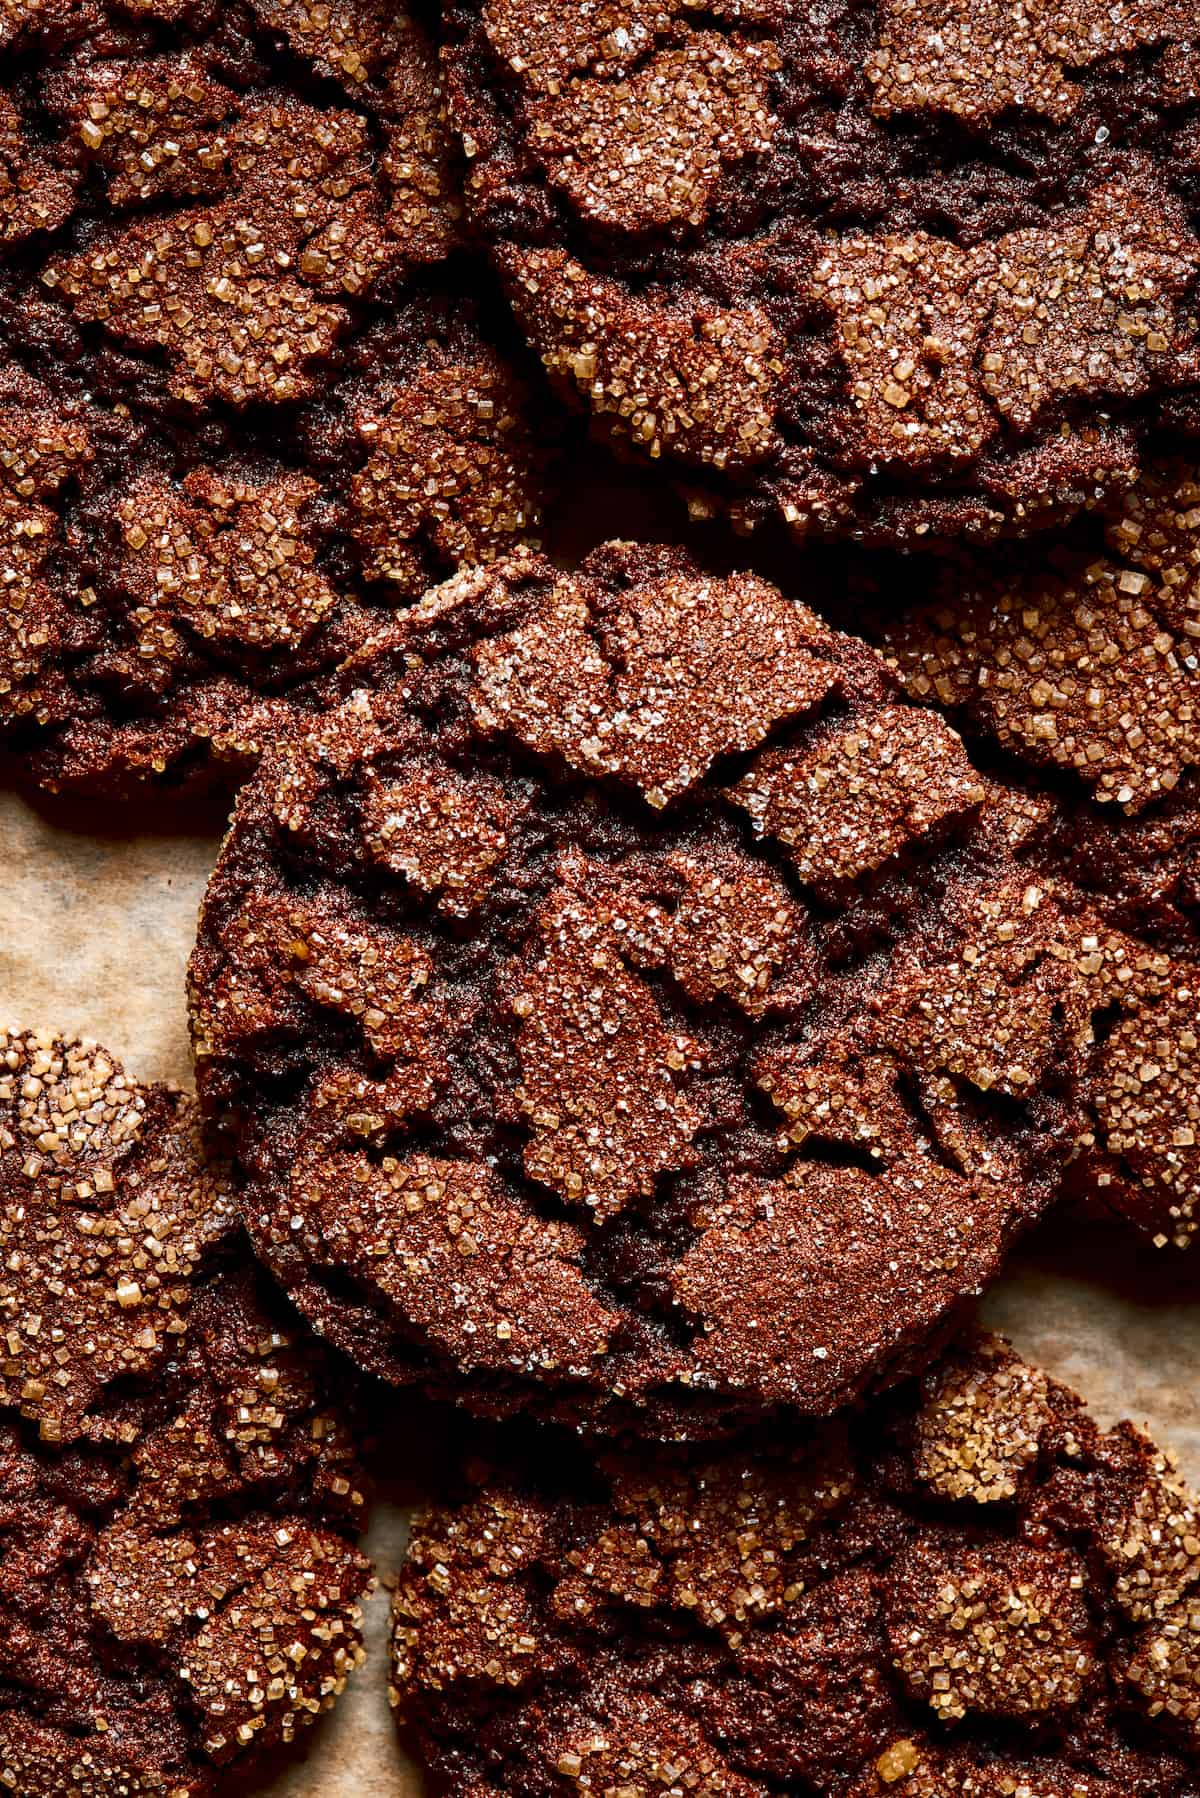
[881, 269]
[968, 1588]
[180, 1494]
[625, 1004]
[245, 337]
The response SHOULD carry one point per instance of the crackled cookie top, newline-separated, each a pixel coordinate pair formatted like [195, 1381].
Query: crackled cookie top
[626, 1002]
[1078, 669]
[181, 1583]
[892, 269]
[1085, 660]
[969, 1590]
[244, 344]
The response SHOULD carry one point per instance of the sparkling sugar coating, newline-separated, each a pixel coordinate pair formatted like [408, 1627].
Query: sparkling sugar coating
[810, 1614]
[243, 328]
[1080, 661]
[109, 1211]
[540, 1056]
[181, 1495]
[891, 270]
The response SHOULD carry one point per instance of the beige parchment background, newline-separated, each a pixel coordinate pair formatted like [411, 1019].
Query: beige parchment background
[97, 909]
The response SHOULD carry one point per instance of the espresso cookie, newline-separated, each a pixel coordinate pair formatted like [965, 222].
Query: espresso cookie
[970, 1589]
[181, 1499]
[868, 267]
[625, 1004]
[252, 390]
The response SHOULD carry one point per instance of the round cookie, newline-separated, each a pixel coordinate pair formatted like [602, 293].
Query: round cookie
[968, 1590]
[880, 268]
[624, 1004]
[251, 393]
[181, 1499]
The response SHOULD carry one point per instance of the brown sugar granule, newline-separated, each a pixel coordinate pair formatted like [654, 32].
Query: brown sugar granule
[724, 925]
[445, 1242]
[234, 562]
[941, 344]
[813, 286]
[910, 314]
[545, 44]
[797, 1610]
[26, 19]
[237, 293]
[1089, 304]
[206, 597]
[644, 152]
[109, 1211]
[1156, 526]
[159, 128]
[980, 1425]
[213, 289]
[603, 1080]
[444, 834]
[694, 1141]
[1144, 1093]
[181, 1584]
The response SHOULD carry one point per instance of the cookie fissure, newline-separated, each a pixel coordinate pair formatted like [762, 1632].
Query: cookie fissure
[632, 914]
[884, 276]
[243, 280]
[181, 1583]
[1089, 666]
[931, 1600]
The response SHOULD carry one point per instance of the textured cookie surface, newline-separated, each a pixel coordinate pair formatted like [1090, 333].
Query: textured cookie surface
[968, 1590]
[179, 1496]
[626, 1000]
[871, 267]
[1081, 660]
[1077, 670]
[248, 403]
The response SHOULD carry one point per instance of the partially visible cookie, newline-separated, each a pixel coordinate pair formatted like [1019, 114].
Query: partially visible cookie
[252, 399]
[181, 1495]
[887, 270]
[969, 1589]
[1083, 661]
[625, 1004]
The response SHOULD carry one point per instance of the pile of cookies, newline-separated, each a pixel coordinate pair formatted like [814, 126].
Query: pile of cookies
[643, 994]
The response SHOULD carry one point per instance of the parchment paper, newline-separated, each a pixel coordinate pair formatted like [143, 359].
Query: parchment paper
[97, 909]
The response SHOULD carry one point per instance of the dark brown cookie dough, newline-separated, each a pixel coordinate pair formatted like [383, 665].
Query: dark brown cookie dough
[967, 1590]
[179, 1496]
[253, 391]
[878, 268]
[625, 1003]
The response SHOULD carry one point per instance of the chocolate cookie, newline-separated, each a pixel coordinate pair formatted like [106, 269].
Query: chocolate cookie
[878, 268]
[1084, 660]
[251, 392]
[625, 1004]
[970, 1590]
[178, 1495]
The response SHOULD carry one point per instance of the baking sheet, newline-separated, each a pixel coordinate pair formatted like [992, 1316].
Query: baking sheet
[97, 909]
